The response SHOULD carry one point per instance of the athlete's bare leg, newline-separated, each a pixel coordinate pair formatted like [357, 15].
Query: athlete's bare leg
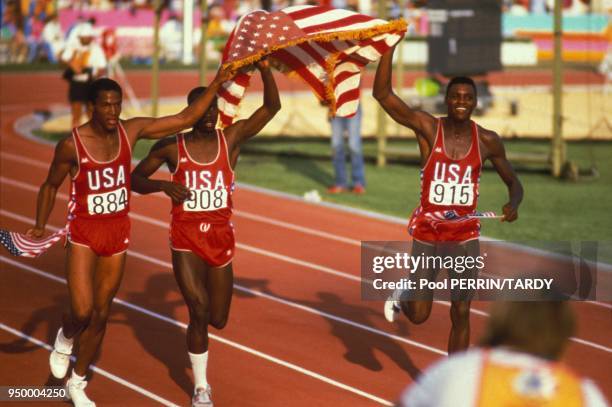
[418, 311]
[80, 266]
[208, 294]
[103, 287]
[459, 337]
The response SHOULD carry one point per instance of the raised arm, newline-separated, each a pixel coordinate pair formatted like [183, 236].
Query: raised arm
[158, 155]
[63, 160]
[421, 122]
[497, 155]
[244, 129]
[155, 128]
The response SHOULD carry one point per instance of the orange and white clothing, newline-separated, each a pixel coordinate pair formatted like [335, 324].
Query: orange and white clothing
[90, 58]
[201, 224]
[501, 378]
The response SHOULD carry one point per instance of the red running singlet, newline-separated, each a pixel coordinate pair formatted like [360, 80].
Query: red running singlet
[211, 185]
[101, 190]
[448, 185]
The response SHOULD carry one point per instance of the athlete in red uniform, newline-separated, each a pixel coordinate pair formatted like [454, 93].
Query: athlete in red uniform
[97, 156]
[201, 236]
[453, 149]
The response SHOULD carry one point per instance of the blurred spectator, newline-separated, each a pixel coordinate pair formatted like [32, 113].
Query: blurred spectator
[517, 364]
[72, 36]
[518, 8]
[85, 62]
[111, 50]
[52, 40]
[218, 28]
[538, 6]
[13, 32]
[352, 126]
[171, 39]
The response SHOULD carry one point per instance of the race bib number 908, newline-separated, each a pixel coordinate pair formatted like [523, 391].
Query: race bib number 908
[450, 193]
[202, 200]
[108, 202]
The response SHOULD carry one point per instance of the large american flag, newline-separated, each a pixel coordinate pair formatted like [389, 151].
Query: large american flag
[325, 47]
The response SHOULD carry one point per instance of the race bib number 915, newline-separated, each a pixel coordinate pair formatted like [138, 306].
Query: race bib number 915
[108, 202]
[201, 200]
[450, 193]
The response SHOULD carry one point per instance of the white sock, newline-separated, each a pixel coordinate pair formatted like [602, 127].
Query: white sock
[199, 361]
[76, 377]
[62, 343]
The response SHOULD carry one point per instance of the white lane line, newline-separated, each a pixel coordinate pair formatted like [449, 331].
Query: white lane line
[274, 255]
[98, 370]
[168, 265]
[314, 310]
[228, 342]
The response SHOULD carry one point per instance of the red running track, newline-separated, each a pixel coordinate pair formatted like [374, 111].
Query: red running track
[299, 333]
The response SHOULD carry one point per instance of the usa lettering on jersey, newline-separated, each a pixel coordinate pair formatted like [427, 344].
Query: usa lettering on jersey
[105, 178]
[108, 202]
[451, 185]
[207, 191]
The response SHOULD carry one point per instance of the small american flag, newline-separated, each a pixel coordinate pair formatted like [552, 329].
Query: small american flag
[21, 245]
[452, 215]
[325, 47]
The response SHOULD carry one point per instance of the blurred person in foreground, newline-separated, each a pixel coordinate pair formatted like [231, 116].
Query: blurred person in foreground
[517, 364]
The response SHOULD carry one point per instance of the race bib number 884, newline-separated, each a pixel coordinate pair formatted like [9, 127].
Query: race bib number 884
[202, 200]
[108, 202]
[450, 193]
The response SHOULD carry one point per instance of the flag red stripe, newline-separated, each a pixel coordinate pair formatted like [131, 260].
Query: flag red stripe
[228, 96]
[313, 53]
[342, 76]
[353, 58]
[308, 12]
[242, 79]
[327, 46]
[294, 63]
[225, 119]
[227, 49]
[348, 96]
[341, 23]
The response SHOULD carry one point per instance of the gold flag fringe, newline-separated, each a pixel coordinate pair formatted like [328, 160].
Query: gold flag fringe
[396, 27]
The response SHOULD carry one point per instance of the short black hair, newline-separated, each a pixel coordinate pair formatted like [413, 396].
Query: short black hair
[101, 85]
[461, 80]
[195, 92]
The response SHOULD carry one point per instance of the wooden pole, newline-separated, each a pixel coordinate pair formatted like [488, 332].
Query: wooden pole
[155, 62]
[381, 123]
[399, 65]
[557, 145]
[203, 40]
[187, 32]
